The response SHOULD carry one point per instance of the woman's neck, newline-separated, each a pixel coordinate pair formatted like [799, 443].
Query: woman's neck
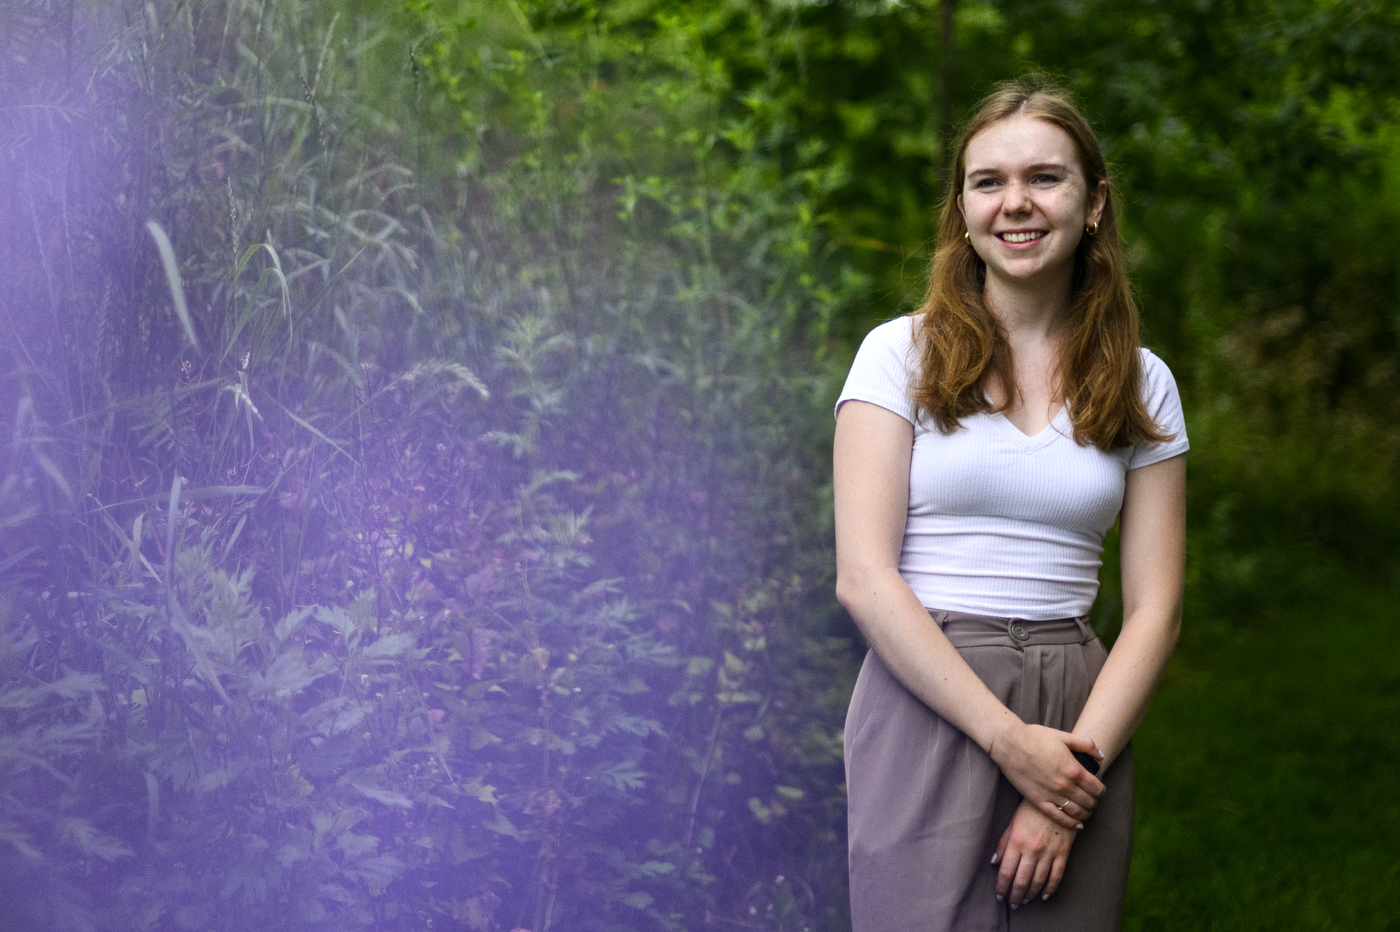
[1029, 312]
[1032, 316]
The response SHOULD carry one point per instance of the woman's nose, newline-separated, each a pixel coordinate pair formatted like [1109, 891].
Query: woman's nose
[1017, 199]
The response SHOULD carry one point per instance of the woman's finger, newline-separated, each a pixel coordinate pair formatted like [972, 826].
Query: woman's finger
[1042, 874]
[1086, 783]
[1010, 862]
[1080, 785]
[1079, 774]
[1076, 811]
[1001, 846]
[1025, 871]
[1072, 786]
[1084, 744]
[1080, 798]
[1057, 873]
[1059, 816]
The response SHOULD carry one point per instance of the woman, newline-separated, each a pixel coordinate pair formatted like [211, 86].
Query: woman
[984, 447]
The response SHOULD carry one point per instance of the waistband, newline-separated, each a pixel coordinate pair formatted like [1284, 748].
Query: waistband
[966, 630]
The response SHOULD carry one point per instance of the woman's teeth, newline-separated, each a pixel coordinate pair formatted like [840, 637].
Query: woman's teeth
[1021, 237]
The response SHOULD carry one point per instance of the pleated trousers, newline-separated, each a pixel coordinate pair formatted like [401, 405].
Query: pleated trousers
[927, 806]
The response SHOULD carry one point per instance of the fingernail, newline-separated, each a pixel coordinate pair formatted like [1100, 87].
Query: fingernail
[998, 897]
[1079, 827]
[1045, 896]
[994, 857]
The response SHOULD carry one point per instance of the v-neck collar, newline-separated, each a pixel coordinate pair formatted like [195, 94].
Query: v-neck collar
[1032, 442]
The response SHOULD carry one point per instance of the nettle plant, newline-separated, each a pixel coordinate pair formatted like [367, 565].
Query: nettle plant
[414, 522]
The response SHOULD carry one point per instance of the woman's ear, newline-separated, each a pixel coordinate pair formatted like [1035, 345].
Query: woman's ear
[1098, 199]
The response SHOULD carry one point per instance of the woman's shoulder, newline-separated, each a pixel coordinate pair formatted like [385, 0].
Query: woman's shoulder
[893, 344]
[883, 368]
[1163, 403]
[896, 334]
[1156, 374]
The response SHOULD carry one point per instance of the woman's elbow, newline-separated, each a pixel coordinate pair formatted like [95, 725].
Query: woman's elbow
[855, 585]
[1173, 632]
[845, 593]
[1163, 626]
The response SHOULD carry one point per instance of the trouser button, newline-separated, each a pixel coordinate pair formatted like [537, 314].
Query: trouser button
[1019, 632]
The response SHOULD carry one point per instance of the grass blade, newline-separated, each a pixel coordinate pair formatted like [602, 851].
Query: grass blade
[172, 277]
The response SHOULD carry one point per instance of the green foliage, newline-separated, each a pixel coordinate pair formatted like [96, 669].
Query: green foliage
[432, 521]
[1255, 148]
[414, 508]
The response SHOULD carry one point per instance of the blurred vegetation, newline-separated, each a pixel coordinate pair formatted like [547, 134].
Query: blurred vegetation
[415, 506]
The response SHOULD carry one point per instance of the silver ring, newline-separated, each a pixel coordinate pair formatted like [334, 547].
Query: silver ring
[1062, 805]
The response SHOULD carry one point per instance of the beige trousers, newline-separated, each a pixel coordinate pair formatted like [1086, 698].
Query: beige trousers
[926, 806]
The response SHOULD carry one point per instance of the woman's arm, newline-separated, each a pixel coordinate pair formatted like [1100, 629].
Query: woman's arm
[871, 460]
[1152, 541]
[1032, 853]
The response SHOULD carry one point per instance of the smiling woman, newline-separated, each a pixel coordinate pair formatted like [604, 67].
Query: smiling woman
[1027, 204]
[984, 447]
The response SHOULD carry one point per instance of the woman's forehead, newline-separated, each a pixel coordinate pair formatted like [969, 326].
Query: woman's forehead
[1020, 142]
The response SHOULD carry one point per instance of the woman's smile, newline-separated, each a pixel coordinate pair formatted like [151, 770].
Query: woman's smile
[1026, 202]
[1021, 238]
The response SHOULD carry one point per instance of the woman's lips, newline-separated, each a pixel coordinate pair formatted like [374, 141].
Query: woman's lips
[1021, 237]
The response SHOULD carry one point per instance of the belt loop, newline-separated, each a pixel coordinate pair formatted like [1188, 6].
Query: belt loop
[1085, 628]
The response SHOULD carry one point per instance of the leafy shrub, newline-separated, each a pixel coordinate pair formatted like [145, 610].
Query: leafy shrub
[420, 523]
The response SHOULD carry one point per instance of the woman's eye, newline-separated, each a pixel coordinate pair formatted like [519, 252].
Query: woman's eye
[1044, 179]
[986, 183]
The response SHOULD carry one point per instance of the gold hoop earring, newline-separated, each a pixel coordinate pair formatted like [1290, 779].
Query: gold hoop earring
[967, 237]
[1092, 228]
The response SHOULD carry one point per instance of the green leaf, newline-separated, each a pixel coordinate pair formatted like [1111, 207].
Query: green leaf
[90, 841]
[388, 647]
[478, 790]
[291, 623]
[290, 674]
[390, 798]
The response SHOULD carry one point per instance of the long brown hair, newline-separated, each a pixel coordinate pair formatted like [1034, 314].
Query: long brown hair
[962, 345]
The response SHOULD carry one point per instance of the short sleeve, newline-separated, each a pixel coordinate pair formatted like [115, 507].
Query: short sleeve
[881, 373]
[1163, 405]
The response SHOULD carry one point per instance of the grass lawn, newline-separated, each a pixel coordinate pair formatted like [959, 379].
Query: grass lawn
[1268, 795]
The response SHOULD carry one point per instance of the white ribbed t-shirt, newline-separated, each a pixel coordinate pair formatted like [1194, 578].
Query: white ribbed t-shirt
[1001, 523]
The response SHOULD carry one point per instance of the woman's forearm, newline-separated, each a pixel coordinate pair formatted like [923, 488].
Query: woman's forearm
[1120, 696]
[1152, 543]
[918, 654]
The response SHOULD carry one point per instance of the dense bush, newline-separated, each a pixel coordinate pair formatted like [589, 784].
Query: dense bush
[414, 513]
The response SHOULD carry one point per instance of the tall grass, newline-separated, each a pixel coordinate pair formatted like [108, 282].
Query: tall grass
[411, 510]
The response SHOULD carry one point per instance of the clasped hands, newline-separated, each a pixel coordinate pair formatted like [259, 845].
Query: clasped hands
[1058, 794]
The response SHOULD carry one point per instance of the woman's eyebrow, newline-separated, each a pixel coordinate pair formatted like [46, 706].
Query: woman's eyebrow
[1036, 167]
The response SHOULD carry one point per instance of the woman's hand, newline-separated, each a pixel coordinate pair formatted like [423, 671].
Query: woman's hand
[1038, 762]
[1032, 853]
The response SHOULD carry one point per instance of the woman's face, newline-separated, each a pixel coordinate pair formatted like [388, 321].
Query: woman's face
[1026, 201]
